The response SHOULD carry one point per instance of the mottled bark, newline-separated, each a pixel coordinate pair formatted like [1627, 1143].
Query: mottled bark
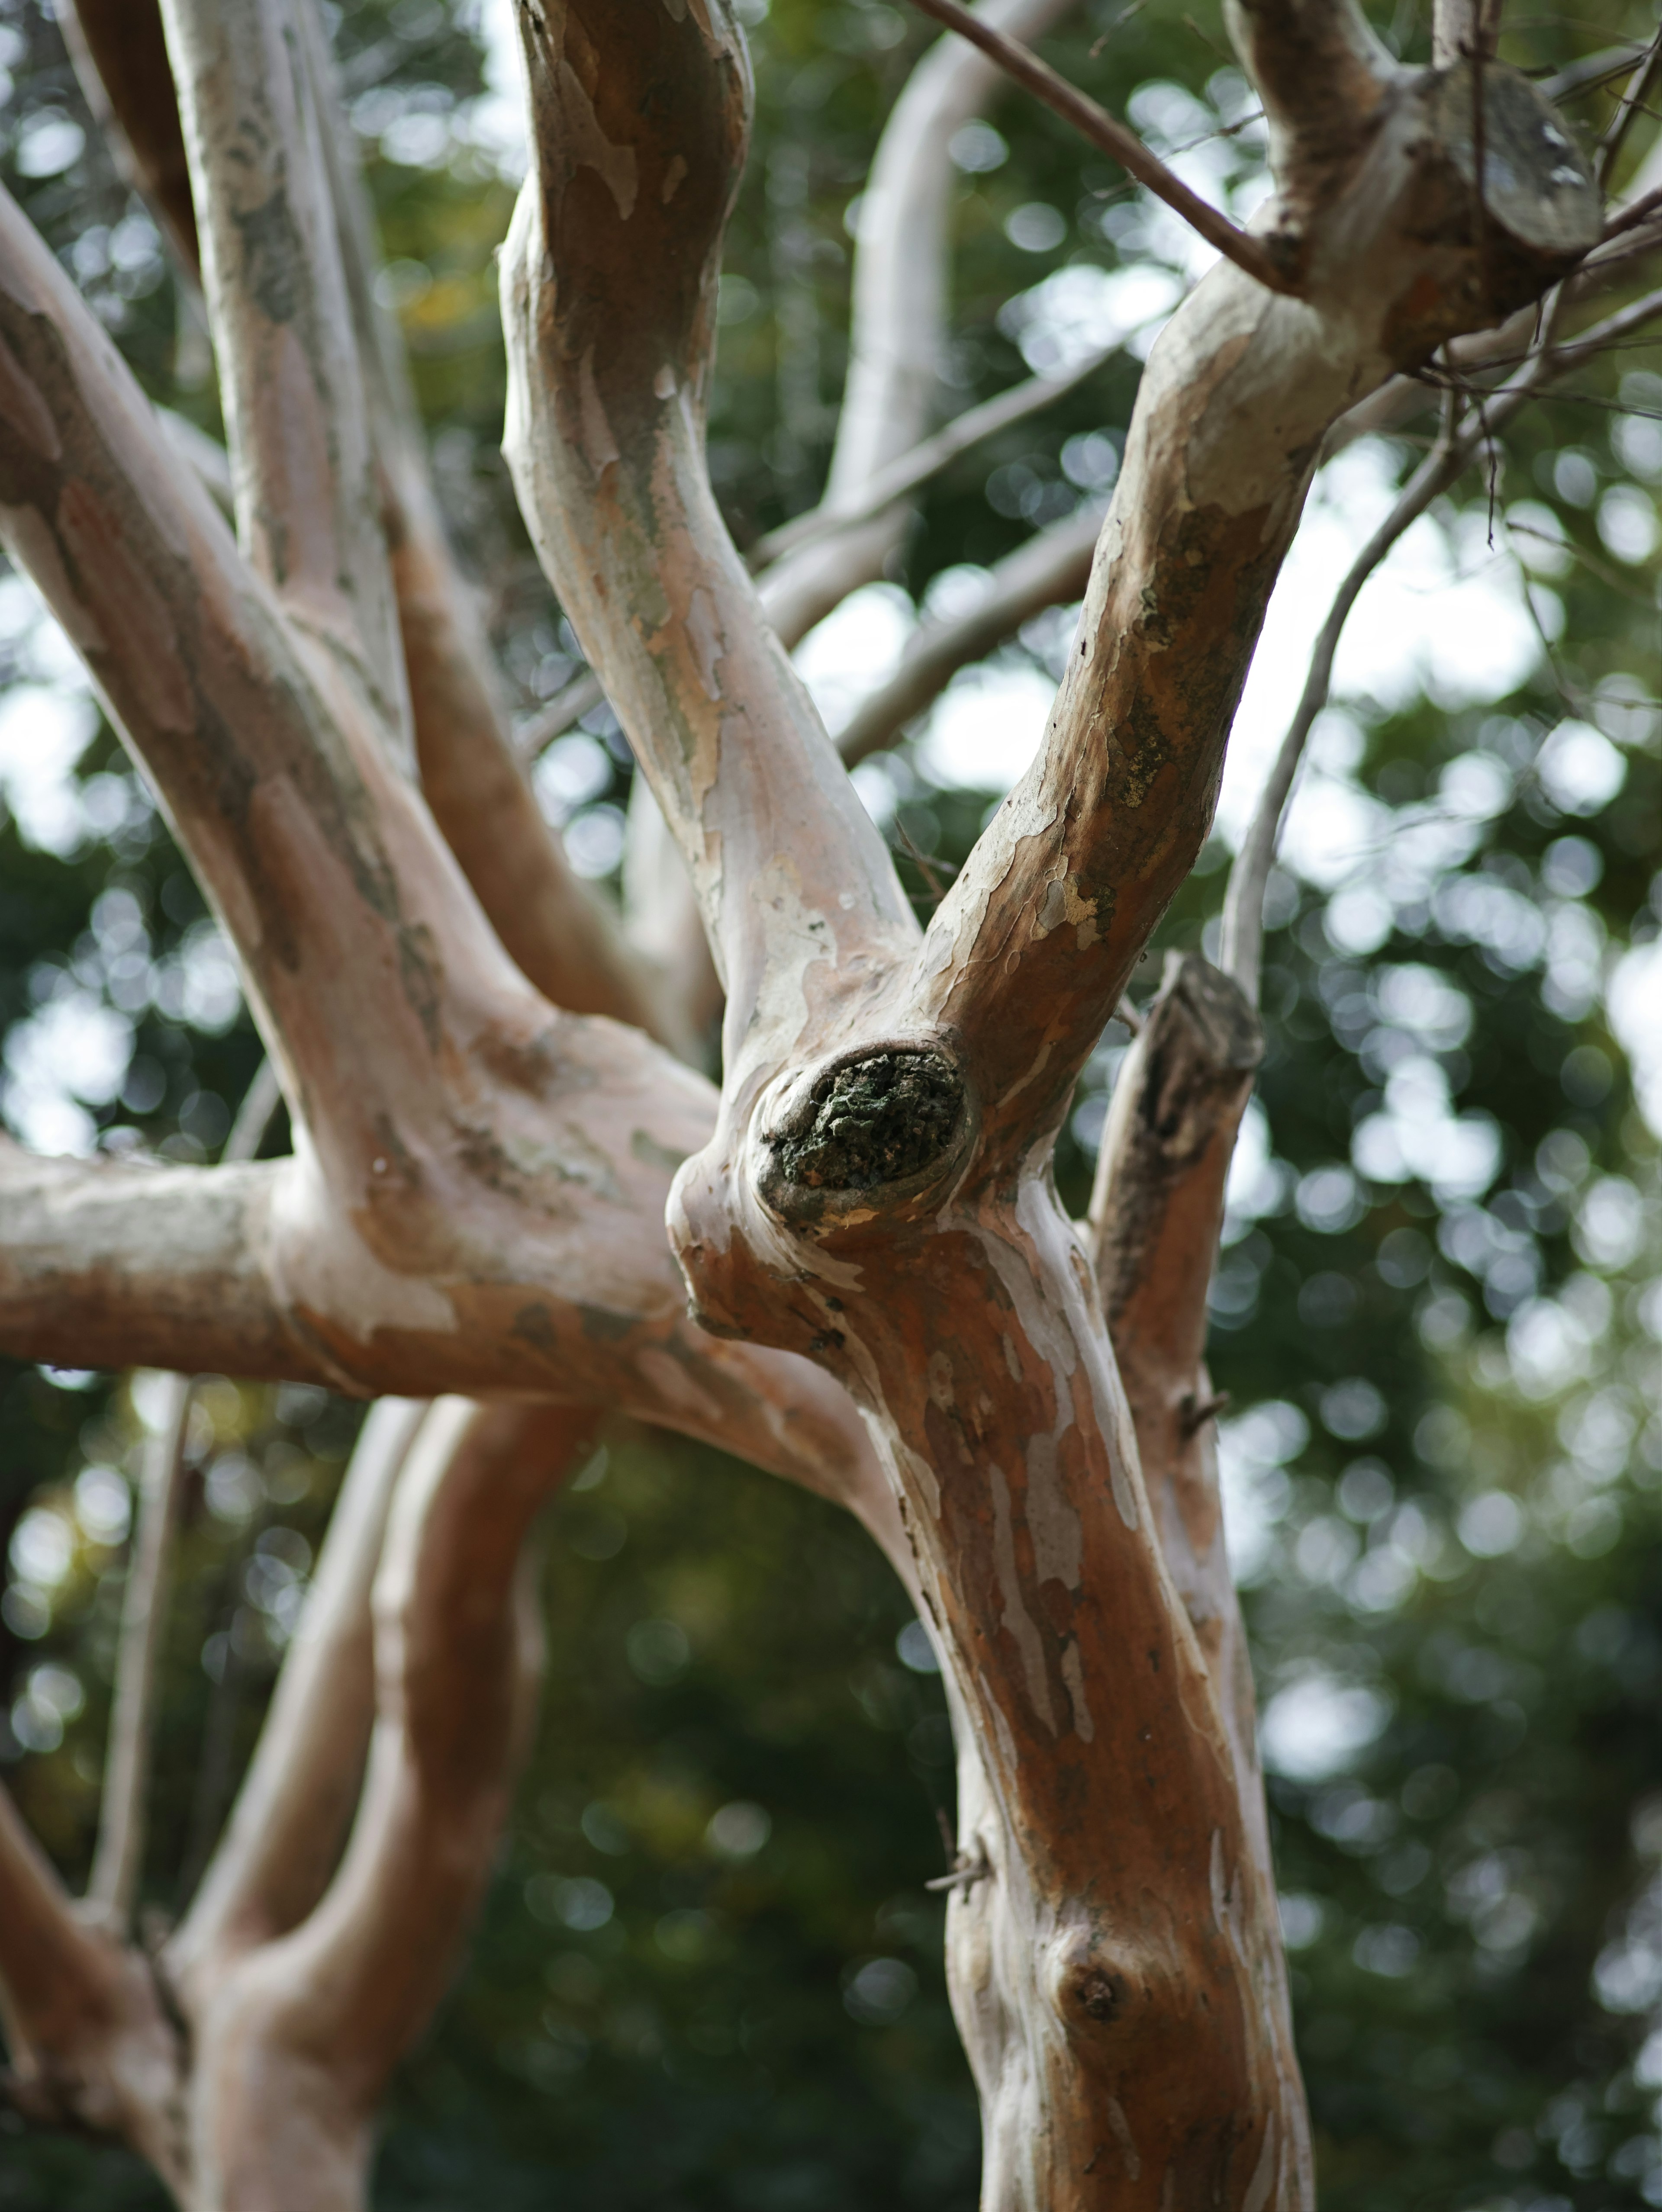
[887, 1303]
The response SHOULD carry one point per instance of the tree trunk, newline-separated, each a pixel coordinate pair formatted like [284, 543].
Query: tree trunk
[888, 1303]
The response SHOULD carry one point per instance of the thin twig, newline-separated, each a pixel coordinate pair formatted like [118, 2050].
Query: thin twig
[119, 1855]
[926, 459]
[1479, 157]
[579, 697]
[1243, 912]
[1641, 85]
[121, 1820]
[1113, 139]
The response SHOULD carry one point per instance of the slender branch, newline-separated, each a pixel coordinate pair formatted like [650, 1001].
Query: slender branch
[1241, 953]
[1052, 569]
[1635, 102]
[898, 329]
[121, 1829]
[563, 713]
[1099, 127]
[927, 459]
[120, 59]
[118, 1856]
[280, 1845]
[1156, 1213]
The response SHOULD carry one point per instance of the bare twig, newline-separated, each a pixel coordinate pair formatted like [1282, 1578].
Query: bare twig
[1113, 139]
[1243, 912]
[120, 1849]
[925, 460]
[563, 711]
[119, 1856]
[1639, 89]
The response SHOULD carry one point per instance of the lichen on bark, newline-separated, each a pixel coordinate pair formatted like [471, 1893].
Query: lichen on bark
[879, 1119]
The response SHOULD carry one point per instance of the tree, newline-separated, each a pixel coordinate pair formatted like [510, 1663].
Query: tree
[873, 1214]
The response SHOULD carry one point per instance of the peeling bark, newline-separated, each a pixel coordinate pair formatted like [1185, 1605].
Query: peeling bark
[887, 1303]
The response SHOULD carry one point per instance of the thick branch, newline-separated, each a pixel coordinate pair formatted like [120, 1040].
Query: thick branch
[90, 2042]
[296, 409]
[1030, 951]
[608, 292]
[148, 1266]
[557, 934]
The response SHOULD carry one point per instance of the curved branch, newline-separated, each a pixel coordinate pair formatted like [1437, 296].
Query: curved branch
[608, 290]
[309, 511]
[1156, 1213]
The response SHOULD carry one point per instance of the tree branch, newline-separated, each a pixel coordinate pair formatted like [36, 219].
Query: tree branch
[898, 336]
[1095, 124]
[119, 1856]
[309, 509]
[1052, 569]
[1156, 1212]
[120, 60]
[297, 2045]
[1029, 952]
[1242, 949]
[1462, 28]
[89, 2041]
[556, 933]
[282, 1841]
[914, 468]
[608, 285]
[136, 1266]
[1635, 102]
